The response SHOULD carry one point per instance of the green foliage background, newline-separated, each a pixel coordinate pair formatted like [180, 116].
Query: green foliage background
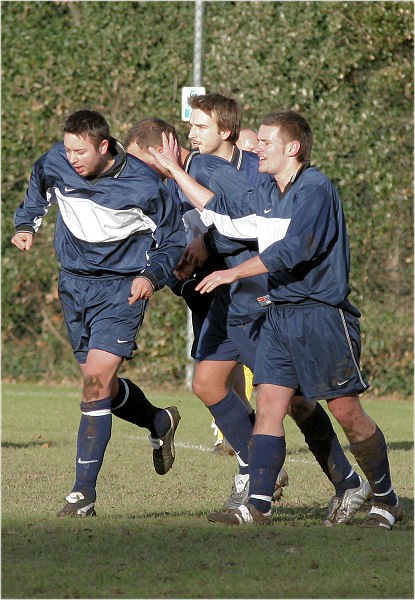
[347, 66]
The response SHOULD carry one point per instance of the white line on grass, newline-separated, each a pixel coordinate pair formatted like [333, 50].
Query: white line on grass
[201, 448]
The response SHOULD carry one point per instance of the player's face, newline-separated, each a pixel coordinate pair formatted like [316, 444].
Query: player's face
[85, 158]
[271, 150]
[204, 133]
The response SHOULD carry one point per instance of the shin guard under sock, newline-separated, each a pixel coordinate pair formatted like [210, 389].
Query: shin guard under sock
[233, 420]
[266, 458]
[324, 444]
[372, 457]
[93, 436]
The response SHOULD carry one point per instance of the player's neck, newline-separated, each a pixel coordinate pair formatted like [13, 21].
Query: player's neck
[107, 163]
[287, 175]
[225, 151]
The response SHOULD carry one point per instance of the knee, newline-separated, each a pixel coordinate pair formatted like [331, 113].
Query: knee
[200, 389]
[197, 387]
[269, 417]
[207, 391]
[342, 414]
[95, 387]
[346, 411]
[350, 415]
[264, 409]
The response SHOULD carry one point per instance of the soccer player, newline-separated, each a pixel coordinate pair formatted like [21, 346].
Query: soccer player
[230, 334]
[118, 237]
[215, 131]
[311, 334]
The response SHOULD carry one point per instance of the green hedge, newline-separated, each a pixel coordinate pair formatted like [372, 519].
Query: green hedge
[347, 66]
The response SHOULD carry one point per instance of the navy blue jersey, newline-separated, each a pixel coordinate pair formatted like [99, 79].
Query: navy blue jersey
[123, 222]
[214, 173]
[302, 236]
[173, 190]
[239, 300]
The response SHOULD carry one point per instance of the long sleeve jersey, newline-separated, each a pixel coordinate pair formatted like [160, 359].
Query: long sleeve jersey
[224, 177]
[302, 236]
[122, 222]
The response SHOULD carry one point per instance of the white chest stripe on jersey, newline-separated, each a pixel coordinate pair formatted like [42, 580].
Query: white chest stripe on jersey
[91, 222]
[271, 230]
[242, 228]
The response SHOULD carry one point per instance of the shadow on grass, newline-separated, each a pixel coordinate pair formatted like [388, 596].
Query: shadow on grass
[163, 554]
[22, 445]
[310, 514]
[404, 445]
[400, 445]
[290, 515]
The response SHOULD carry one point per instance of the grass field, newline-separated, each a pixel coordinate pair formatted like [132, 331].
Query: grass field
[151, 538]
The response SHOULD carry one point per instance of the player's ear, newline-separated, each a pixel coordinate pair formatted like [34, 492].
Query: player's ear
[103, 147]
[225, 134]
[293, 148]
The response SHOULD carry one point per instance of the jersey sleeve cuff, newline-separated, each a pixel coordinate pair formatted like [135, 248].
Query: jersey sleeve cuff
[150, 277]
[25, 229]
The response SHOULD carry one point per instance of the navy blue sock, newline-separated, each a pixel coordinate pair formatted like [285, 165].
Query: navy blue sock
[130, 404]
[93, 436]
[233, 420]
[372, 458]
[324, 444]
[266, 457]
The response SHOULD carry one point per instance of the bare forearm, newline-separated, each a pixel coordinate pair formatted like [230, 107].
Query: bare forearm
[249, 268]
[198, 195]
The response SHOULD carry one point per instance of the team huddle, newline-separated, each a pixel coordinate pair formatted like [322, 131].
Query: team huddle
[256, 244]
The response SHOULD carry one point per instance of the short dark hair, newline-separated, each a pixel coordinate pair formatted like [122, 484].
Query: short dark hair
[226, 112]
[148, 132]
[292, 126]
[88, 123]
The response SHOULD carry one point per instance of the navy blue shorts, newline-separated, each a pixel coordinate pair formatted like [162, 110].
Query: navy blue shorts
[97, 314]
[315, 347]
[221, 341]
